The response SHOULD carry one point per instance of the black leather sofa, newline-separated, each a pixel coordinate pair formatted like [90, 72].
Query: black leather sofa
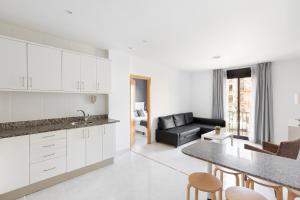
[181, 128]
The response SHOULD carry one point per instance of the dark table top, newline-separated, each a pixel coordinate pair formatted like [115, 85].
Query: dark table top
[279, 170]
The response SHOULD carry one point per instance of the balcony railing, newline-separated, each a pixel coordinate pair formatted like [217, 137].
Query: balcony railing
[232, 124]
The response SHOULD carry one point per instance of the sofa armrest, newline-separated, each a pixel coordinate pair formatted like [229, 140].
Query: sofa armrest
[270, 147]
[213, 122]
[253, 148]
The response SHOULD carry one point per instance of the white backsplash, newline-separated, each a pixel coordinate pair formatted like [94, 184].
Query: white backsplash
[22, 106]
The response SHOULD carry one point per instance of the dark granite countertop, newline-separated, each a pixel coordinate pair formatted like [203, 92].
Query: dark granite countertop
[283, 171]
[14, 129]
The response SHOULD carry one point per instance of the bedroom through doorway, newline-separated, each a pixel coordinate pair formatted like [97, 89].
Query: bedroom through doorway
[140, 111]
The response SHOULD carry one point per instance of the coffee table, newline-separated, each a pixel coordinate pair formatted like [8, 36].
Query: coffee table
[219, 138]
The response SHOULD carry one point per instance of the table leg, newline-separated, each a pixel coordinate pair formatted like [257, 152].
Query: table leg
[231, 140]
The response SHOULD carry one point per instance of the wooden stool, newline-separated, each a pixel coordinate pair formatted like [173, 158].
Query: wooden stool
[223, 170]
[293, 194]
[204, 182]
[277, 188]
[241, 193]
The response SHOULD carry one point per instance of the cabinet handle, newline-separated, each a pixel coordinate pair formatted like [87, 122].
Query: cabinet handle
[78, 85]
[50, 145]
[82, 85]
[83, 134]
[48, 155]
[23, 81]
[52, 168]
[30, 82]
[48, 136]
[98, 85]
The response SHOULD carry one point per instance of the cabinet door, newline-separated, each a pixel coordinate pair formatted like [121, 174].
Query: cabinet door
[44, 68]
[88, 73]
[14, 159]
[75, 149]
[71, 71]
[103, 76]
[94, 144]
[13, 65]
[109, 141]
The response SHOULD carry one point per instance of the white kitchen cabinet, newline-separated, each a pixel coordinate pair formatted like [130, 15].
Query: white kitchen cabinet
[71, 71]
[13, 64]
[75, 149]
[103, 76]
[94, 144]
[109, 141]
[14, 163]
[44, 68]
[88, 73]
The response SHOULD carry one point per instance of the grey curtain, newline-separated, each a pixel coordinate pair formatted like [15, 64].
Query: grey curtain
[218, 87]
[263, 114]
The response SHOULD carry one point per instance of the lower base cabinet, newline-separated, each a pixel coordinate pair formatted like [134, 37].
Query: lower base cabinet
[14, 163]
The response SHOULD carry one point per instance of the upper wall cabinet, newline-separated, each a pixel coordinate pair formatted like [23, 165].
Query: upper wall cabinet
[88, 73]
[13, 65]
[103, 76]
[71, 71]
[44, 68]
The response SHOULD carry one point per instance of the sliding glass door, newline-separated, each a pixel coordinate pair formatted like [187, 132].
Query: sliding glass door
[239, 94]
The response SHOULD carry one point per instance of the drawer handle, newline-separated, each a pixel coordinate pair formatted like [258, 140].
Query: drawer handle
[48, 155]
[50, 145]
[52, 168]
[48, 136]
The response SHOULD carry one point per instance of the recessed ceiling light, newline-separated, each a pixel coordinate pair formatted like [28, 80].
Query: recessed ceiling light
[69, 12]
[144, 41]
[216, 57]
[130, 48]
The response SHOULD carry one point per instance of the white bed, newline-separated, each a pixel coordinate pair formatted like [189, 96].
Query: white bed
[140, 108]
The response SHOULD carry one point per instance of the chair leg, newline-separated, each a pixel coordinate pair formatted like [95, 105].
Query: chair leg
[291, 195]
[251, 185]
[221, 177]
[196, 194]
[279, 193]
[213, 196]
[248, 183]
[220, 194]
[215, 171]
[188, 189]
[243, 180]
[237, 180]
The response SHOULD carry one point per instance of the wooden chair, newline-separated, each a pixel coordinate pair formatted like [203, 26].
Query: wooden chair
[241, 193]
[293, 194]
[288, 149]
[277, 188]
[223, 170]
[204, 182]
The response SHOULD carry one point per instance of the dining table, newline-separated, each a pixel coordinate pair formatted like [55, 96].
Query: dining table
[276, 169]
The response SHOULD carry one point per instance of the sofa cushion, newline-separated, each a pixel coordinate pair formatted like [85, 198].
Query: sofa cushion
[184, 130]
[166, 122]
[179, 119]
[189, 118]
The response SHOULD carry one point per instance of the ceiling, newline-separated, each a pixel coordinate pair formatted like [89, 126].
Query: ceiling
[184, 34]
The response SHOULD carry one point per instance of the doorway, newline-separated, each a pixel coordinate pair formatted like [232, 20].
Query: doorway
[140, 110]
[239, 93]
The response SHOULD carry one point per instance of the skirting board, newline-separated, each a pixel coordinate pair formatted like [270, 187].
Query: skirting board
[53, 181]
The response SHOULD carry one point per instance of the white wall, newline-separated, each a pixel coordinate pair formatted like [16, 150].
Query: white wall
[119, 97]
[202, 89]
[170, 88]
[21, 106]
[286, 82]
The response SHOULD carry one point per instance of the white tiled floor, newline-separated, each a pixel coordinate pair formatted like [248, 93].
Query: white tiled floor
[154, 171]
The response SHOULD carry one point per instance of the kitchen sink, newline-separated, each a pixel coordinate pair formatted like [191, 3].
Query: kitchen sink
[84, 123]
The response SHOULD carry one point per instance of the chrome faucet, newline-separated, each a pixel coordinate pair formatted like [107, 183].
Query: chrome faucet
[85, 116]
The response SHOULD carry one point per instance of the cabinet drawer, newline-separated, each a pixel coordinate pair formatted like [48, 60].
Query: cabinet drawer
[47, 145]
[41, 137]
[43, 170]
[47, 154]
